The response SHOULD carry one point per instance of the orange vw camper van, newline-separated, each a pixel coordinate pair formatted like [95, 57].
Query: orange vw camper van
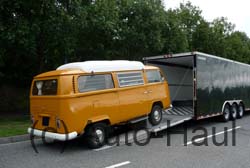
[89, 97]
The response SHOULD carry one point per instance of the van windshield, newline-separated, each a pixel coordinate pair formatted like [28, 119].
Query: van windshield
[45, 87]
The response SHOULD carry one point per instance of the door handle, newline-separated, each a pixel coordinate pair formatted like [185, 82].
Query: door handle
[146, 92]
[150, 91]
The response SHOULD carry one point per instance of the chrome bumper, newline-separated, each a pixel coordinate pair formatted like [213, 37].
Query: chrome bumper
[52, 135]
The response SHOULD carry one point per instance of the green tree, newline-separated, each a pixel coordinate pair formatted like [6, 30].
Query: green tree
[221, 29]
[238, 47]
[141, 26]
[190, 18]
[201, 38]
[97, 36]
[176, 39]
[35, 36]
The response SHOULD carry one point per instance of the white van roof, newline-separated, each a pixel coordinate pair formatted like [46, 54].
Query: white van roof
[103, 66]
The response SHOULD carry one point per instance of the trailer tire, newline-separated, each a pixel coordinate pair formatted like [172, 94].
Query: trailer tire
[155, 116]
[240, 110]
[226, 113]
[96, 135]
[233, 111]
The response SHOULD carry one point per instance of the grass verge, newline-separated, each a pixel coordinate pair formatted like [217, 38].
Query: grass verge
[12, 126]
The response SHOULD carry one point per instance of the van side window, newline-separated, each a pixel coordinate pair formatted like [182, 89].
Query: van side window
[153, 76]
[95, 82]
[130, 78]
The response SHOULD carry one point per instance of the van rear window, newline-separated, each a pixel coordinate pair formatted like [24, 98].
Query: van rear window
[95, 82]
[45, 87]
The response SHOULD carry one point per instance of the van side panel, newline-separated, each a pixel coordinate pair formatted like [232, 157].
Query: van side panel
[74, 112]
[66, 86]
[158, 92]
[106, 105]
[133, 102]
[83, 108]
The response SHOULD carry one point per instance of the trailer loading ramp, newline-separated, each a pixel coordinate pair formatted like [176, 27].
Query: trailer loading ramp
[173, 117]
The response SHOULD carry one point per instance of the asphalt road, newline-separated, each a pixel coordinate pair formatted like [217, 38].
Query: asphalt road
[156, 154]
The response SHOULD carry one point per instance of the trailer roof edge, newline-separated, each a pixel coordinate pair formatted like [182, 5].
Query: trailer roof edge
[190, 54]
[221, 58]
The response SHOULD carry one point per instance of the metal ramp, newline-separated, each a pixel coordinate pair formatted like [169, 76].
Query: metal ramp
[180, 111]
[171, 117]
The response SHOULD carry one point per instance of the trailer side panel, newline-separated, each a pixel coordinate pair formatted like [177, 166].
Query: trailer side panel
[219, 80]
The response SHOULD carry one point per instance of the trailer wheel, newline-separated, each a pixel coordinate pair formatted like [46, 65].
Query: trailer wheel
[240, 110]
[155, 116]
[96, 135]
[226, 113]
[233, 111]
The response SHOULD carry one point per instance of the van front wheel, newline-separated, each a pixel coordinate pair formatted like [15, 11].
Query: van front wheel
[155, 116]
[96, 135]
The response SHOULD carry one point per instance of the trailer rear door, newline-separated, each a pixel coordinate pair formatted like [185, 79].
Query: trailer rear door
[179, 71]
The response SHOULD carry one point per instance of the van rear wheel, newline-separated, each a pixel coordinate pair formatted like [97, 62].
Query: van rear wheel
[96, 135]
[155, 116]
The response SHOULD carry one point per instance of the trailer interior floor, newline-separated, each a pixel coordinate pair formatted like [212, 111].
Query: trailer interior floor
[180, 111]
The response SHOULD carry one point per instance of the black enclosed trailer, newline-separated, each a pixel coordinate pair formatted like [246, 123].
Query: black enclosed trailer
[203, 85]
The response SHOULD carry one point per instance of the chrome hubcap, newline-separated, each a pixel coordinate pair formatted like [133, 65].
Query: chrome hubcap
[241, 111]
[226, 113]
[234, 112]
[100, 135]
[157, 115]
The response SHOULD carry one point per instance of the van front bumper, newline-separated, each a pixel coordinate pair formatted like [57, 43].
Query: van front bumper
[52, 135]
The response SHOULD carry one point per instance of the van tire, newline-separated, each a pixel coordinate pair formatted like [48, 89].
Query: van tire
[226, 113]
[155, 116]
[240, 110]
[96, 135]
[233, 111]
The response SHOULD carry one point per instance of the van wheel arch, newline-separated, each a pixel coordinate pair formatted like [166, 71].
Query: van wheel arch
[106, 121]
[159, 103]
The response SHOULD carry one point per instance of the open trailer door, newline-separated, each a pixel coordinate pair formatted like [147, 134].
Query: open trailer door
[180, 72]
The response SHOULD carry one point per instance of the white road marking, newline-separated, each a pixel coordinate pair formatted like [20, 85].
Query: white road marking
[103, 148]
[119, 164]
[209, 136]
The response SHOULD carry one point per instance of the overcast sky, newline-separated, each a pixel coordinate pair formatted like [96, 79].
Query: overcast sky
[237, 11]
